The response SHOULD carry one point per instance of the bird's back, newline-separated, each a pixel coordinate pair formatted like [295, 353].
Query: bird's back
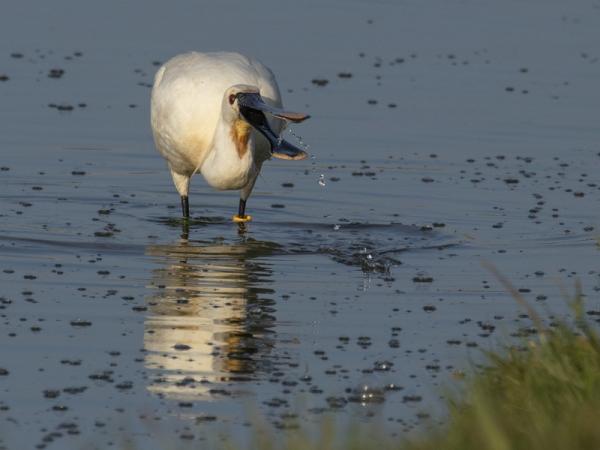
[186, 102]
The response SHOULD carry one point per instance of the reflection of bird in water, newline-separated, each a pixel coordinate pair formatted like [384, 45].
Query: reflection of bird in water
[208, 116]
[208, 320]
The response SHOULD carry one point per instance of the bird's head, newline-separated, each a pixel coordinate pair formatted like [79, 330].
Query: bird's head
[245, 103]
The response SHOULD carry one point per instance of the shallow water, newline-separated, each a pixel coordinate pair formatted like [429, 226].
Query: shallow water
[462, 134]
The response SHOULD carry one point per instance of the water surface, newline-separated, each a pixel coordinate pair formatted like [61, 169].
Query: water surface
[446, 134]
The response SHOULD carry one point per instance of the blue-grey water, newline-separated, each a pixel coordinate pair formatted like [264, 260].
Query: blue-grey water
[444, 134]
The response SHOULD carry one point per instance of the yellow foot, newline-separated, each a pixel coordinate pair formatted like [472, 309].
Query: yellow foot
[242, 219]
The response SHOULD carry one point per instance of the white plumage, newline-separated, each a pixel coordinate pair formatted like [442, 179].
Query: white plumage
[207, 115]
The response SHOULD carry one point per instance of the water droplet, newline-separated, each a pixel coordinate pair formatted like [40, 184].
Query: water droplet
[298, 139]
[366, 394]
[383, 366]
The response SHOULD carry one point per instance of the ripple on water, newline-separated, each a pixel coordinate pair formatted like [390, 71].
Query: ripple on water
[372, 247]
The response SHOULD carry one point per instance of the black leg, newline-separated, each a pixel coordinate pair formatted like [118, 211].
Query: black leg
[242, 208]
[185, 206]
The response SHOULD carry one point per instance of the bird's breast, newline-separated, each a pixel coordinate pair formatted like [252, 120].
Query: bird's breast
[227, 170]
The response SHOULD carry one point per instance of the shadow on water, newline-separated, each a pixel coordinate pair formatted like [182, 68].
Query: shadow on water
[210, 316]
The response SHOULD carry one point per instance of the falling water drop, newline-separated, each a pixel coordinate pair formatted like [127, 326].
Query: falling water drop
[298, 139]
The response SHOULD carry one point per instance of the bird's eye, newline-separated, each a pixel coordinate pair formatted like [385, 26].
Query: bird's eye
[231, 99]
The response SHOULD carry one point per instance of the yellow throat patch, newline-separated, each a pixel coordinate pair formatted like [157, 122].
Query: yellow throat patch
[240, 134]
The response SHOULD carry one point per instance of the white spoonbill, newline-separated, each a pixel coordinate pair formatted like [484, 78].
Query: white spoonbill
[208, 116]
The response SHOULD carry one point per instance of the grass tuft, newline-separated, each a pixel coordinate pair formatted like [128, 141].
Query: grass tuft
[542, 395]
